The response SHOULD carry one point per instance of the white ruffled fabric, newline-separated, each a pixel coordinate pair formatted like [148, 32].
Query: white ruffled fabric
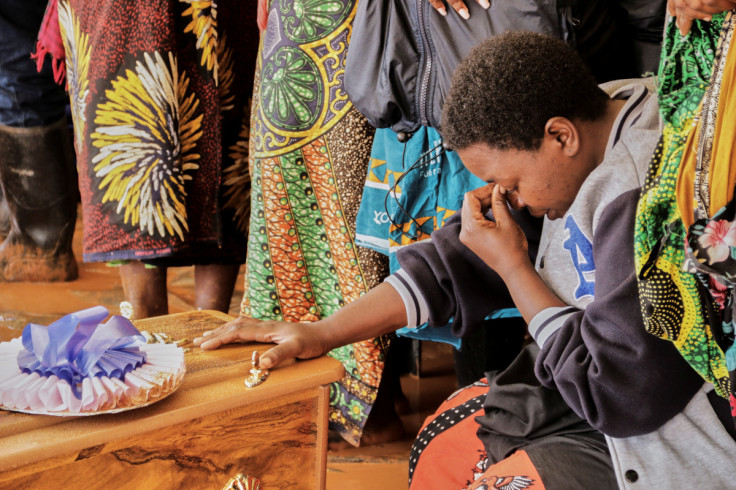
[162, 373]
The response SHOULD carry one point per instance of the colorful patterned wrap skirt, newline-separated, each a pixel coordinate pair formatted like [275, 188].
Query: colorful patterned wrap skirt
[159, 94]
[448, 454]
[310, 151]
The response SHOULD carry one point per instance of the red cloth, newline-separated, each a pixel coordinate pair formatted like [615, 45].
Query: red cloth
[49, 42]
[262, 14]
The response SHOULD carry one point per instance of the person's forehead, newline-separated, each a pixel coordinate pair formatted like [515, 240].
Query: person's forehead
[482, 154]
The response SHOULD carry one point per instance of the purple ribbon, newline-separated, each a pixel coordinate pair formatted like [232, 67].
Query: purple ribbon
[78, 346]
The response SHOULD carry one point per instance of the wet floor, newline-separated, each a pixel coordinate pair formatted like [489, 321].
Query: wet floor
[382, 466]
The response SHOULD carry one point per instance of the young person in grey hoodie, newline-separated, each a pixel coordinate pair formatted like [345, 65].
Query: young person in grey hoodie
[525, 116]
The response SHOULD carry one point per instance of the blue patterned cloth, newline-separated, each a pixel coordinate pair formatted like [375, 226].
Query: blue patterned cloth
[429, 191]
[422, 195]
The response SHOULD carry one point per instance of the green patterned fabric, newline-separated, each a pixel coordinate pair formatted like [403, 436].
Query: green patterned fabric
[670, 300]
[310, 150]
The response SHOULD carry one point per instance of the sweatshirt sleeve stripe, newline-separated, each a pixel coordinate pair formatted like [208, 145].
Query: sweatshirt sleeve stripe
[548, 321]
[417, 312]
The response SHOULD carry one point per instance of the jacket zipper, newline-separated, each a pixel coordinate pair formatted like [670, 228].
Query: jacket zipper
[425, 46]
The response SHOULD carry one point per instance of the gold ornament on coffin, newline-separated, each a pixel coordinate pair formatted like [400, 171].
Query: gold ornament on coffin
[126, 310]
[257, 375]
[242, 482]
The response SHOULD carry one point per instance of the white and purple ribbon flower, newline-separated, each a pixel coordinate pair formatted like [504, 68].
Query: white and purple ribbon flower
[79, 346]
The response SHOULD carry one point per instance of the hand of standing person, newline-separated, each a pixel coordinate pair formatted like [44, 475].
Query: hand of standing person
[686, 11]
[457, 5]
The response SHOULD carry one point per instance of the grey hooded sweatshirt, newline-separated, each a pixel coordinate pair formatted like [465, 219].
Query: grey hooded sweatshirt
[662, 424]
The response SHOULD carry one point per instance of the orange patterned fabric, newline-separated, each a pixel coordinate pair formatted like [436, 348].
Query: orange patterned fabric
[450, 458]
[516, 472]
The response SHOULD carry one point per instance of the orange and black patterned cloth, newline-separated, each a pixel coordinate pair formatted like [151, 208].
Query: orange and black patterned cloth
[447, 453]
[159, 97]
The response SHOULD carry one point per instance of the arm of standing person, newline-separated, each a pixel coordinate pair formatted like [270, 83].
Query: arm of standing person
[605, 364]
[686, 11]
[378, 312]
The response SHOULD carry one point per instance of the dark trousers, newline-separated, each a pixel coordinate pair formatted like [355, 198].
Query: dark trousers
[27, 98]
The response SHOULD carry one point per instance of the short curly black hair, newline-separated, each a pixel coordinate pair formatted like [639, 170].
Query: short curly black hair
[510, 85]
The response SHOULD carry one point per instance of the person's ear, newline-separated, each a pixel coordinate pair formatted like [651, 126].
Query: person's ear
[563, 135]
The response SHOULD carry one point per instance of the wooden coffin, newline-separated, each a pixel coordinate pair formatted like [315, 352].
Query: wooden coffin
[206, 432]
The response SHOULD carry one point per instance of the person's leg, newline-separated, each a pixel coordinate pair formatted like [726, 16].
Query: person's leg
[37, 174]
[28, 98]
[214, 285]
[144, 287]
[519, 413]
[383, 424]
[4, 216]
[38, 180]
[447, 453]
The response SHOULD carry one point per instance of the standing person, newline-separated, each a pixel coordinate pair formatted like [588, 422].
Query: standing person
[544, 137]
[645, 26]
[688, 196]
[38, 189]
[160, 95]
[310, 151]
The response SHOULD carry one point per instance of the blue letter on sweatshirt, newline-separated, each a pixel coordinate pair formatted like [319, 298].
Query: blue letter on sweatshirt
[581, 254]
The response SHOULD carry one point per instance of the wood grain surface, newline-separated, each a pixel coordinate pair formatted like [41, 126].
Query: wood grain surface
[274, 441]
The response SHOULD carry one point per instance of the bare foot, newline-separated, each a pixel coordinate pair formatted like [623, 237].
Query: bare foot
[373, 433]
[145, 288]
[214, 285]
[383, 424]
[381, 433]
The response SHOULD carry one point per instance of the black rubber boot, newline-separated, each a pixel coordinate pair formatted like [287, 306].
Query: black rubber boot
[39, 183]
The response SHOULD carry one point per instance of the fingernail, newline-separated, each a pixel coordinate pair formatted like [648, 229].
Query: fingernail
[484, 3]
[464, 13]
[265, 363]
[208, 332]
[502, 190]
[209, 344]
[442, 11]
